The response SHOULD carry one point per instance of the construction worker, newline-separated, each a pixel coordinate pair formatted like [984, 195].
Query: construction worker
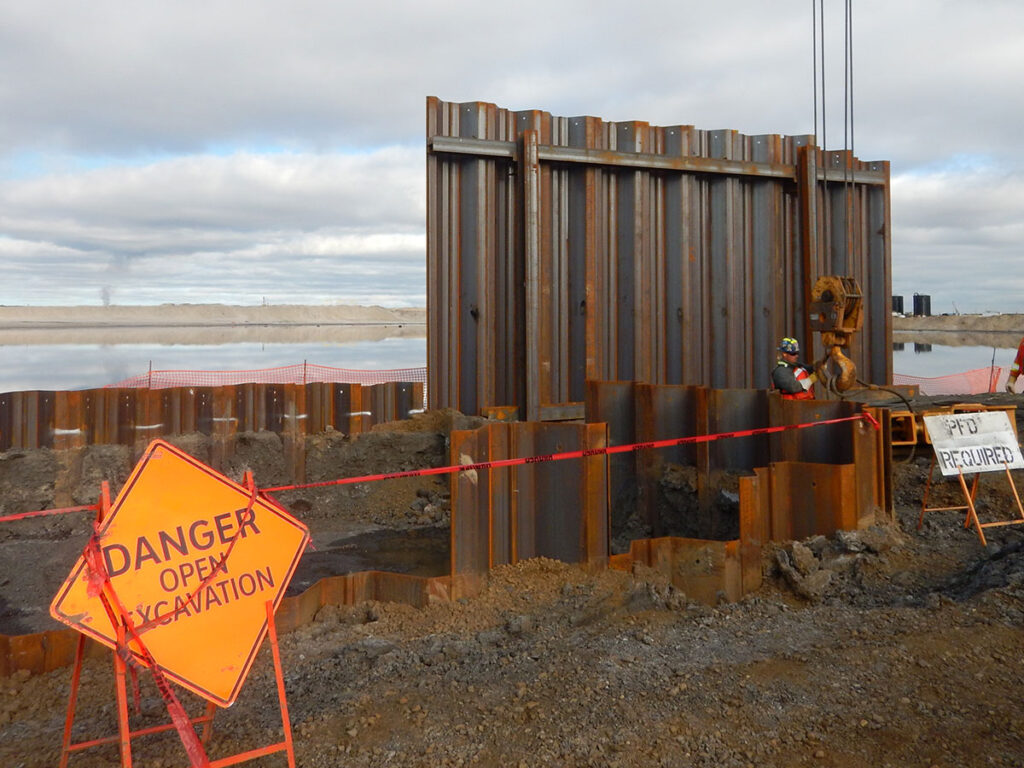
[1018, 363]
[792, 378]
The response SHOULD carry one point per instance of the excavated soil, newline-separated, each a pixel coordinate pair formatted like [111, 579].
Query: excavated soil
[894, 646]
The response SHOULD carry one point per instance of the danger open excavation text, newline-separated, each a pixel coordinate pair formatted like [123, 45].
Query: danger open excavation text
[198, 584]
[214, 595]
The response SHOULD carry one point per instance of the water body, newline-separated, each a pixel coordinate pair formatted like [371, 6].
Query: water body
[934, 360]
[69, 366]
[25, 367]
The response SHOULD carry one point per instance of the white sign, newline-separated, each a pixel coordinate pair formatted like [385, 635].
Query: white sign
[977, 441]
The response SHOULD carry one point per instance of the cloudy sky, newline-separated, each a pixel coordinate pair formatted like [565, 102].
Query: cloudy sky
[258, 151]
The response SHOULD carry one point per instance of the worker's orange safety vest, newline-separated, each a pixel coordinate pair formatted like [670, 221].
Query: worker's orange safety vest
[800, 374]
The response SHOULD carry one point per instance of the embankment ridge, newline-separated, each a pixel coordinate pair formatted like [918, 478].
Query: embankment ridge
[205, 315]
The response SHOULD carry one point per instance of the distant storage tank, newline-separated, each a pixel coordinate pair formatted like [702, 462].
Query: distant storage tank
[897, 304]
[922, 305]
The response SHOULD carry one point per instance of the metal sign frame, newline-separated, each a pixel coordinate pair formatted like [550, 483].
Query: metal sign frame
[192, 568]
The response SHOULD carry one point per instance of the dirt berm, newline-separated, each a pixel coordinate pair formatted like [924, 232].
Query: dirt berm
[907, 651]
[1000, 331]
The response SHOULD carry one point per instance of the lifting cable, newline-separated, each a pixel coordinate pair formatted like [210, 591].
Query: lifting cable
[818, 35]
[848, 186]
[827, 161]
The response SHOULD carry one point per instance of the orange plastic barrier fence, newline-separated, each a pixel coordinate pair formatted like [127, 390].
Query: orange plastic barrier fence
[974, 382]
[299, 373]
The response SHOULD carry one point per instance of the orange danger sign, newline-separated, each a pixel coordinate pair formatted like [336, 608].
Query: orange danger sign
[192, 566]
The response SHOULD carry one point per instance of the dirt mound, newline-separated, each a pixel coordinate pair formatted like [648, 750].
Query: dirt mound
[552, 665]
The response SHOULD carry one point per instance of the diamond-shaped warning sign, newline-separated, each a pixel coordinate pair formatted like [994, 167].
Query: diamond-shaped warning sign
[193, 568]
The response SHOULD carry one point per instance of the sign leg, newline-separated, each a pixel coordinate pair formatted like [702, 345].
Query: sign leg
[286, 723]
[123, 726]
[1013, 486]
[76, 677]
[211, 709]
[972, 515]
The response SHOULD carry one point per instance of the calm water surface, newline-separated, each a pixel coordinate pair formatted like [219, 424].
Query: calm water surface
[933, 360]
[86, 366]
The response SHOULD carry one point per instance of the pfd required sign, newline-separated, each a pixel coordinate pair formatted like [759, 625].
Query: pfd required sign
[193, 566]
[977, 441]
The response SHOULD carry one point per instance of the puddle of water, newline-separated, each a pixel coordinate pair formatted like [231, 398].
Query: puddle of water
[416, 552]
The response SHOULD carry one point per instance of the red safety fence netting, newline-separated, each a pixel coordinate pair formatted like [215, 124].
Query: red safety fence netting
[300, 373]
[974, 382]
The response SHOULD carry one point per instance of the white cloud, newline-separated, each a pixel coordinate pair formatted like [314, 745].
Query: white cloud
[235, 229]
[167, 138]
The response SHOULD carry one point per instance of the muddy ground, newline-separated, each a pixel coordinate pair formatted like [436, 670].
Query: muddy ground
[887, 647]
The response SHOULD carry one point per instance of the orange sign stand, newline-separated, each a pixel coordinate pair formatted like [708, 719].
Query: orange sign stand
[972, 512]
[126, 734]
[987, 443]
[182, 577]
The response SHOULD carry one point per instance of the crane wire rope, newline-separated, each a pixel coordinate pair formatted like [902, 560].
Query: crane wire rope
[824, 138]
[849, 188]
[814, 63]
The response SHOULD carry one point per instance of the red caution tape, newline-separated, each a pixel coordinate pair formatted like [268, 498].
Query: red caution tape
[668, 443]
[42, 512]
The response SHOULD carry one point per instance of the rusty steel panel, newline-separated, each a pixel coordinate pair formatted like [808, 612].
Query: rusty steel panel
[392, 400]
[755, 525]
[561, 510]
[148, 420]
[594, 491]
[641, 413]
[7, 405]
[556, 509]
[731, 410]
[613, 403]
[45, 407]
[496, 495]
[320, 407]
[345, 402]
[810, 499]
[123, 415]
[43, 652]
[352, 588]
[69, 421]
[831, 444]
[134, 417]
[561, 249]
[470, 521]
[32, 426]
[872, 455]
[225, 425]
[273, 407]
[704, 570]
[662, 412]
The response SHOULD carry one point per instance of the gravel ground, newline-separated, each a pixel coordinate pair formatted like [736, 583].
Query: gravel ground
[886, 647]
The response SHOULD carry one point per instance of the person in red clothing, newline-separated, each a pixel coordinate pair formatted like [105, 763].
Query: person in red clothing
[1018, 363]
[793, 379]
